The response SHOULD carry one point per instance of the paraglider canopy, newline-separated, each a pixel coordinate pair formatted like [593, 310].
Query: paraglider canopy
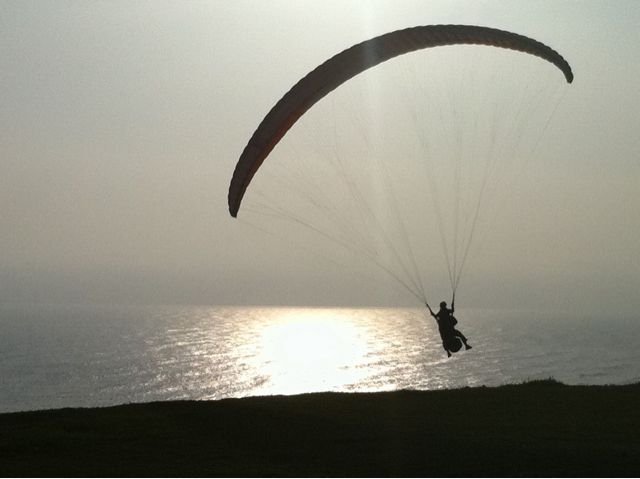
[416, 148]
[356, 59]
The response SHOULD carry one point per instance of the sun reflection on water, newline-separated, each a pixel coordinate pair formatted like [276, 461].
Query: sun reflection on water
[305, 350]
[274, 350]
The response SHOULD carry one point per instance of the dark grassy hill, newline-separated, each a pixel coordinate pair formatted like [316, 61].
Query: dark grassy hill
[540, 428]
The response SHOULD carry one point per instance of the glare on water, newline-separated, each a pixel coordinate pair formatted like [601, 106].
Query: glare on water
[300, 351]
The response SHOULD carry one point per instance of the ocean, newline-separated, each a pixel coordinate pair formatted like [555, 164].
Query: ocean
[54, 356]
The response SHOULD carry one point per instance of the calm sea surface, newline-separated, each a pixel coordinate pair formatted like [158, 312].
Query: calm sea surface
[70, 356]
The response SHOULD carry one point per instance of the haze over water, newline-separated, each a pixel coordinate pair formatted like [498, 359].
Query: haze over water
[71, 356]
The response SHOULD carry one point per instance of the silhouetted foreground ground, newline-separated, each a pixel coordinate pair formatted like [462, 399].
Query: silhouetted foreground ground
[536, 429]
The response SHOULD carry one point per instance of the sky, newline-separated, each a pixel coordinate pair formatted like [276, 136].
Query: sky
[121, 123]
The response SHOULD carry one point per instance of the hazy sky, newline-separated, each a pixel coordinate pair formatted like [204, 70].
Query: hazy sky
[121, 123]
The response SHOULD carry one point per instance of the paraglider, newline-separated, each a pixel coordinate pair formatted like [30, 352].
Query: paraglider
[452, 338]
[348, 64]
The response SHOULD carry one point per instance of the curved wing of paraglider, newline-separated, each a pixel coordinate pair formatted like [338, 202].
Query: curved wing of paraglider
[352, 61]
